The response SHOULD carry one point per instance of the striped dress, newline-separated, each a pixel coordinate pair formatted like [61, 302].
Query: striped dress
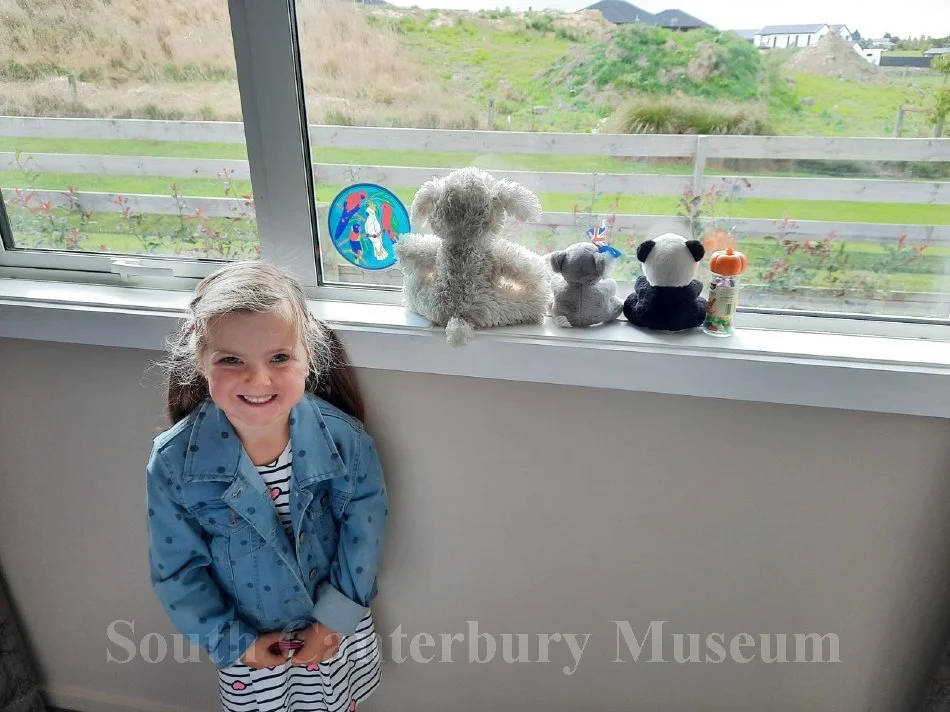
[336, 685]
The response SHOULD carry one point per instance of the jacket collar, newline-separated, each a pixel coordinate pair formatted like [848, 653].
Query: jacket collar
[215, 452]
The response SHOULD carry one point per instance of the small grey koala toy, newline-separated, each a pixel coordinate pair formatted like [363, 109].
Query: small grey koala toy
[581, 295]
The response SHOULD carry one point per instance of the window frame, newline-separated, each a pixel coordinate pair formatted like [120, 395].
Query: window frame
[265, 53]
[273, 101]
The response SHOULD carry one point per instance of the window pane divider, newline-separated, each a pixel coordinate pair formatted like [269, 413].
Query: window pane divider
[265, 51]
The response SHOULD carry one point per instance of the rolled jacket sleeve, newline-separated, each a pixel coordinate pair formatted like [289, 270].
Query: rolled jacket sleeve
[343, 600]
[178, 560]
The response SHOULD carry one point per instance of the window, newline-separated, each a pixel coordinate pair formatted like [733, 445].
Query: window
[835, 215]
[121, 136]
[625, 131]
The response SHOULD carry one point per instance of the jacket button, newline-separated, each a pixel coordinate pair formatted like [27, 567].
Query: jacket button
[313, 574]
[325, 500]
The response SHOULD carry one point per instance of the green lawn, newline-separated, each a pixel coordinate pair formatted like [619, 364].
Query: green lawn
[169, 234]
[836, 211]
[860, 262]
[126, 185]
[116, 147]
[344, 156]
[846, 108]
[196, 187]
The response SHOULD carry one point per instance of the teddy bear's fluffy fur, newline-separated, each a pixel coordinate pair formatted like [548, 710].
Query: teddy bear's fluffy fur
[464, 276]
[582, 295]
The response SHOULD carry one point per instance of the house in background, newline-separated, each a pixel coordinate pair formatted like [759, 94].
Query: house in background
[620, 12]
[937, 52]
[843, 32]
[678, 20]
[782, 36]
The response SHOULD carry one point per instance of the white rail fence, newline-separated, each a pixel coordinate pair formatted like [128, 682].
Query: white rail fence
[697, 149]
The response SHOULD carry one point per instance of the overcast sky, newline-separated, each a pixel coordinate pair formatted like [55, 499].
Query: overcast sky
[871, 17]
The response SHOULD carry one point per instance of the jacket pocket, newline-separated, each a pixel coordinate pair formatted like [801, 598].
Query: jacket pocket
[219, 521]
[244, 539]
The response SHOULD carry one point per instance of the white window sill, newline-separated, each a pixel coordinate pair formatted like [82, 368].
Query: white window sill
[871, 373]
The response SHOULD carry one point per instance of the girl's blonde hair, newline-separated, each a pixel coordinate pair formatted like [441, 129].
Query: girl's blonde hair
[246, 288]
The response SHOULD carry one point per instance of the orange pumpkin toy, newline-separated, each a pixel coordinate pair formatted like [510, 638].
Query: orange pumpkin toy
[729, 263]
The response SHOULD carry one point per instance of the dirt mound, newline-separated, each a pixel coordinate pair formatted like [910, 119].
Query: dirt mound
[583, 22]
[833, 57]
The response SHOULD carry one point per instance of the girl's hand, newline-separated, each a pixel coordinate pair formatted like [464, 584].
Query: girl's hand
[258, 656]
[319, 644]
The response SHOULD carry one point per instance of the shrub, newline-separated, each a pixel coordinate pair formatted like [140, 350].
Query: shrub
[335, 117]
[564, 33]
[686, 115]
[542, 23]
[157, 113]
[16, 72]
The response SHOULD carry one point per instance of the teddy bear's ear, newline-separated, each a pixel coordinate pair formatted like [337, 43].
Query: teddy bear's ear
[557, 260]
[519, 202]
[423, 205]
[696, 249]
[644, 249]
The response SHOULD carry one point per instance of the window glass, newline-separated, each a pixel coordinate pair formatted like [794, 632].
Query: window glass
[869, 233]
[74, 179]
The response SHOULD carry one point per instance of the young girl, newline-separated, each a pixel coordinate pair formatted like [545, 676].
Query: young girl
[266, 504]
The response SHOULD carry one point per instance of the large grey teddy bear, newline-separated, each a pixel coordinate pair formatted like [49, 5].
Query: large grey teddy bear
[581, 294]
[465, 276]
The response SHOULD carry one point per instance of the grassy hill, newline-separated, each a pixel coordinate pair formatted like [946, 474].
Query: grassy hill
[636, 58]
[572, 71]
[387, 66]
[428, 68]
[497, 57]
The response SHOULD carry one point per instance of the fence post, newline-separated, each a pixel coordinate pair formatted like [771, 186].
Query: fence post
[491, 114]
[699, 168]
[938, 129]
[900, 122]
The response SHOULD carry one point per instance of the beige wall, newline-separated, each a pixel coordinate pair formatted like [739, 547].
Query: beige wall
[529, 508]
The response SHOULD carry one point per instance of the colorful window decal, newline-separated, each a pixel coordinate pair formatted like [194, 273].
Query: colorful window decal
[365, 221]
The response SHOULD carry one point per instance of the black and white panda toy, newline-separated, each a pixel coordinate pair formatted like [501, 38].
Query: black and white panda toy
[667, 297]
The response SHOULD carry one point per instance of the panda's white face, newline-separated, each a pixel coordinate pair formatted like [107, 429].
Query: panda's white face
[670, 263]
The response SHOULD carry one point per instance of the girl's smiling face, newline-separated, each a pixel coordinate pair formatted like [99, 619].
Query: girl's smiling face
[256, 367]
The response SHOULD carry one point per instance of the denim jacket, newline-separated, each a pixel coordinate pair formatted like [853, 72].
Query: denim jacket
[222, 563]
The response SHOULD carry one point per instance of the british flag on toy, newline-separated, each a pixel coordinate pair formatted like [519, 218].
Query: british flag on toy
[598, 235]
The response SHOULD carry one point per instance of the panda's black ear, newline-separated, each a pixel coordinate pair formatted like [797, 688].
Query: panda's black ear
[696, 249]
[643, 250]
